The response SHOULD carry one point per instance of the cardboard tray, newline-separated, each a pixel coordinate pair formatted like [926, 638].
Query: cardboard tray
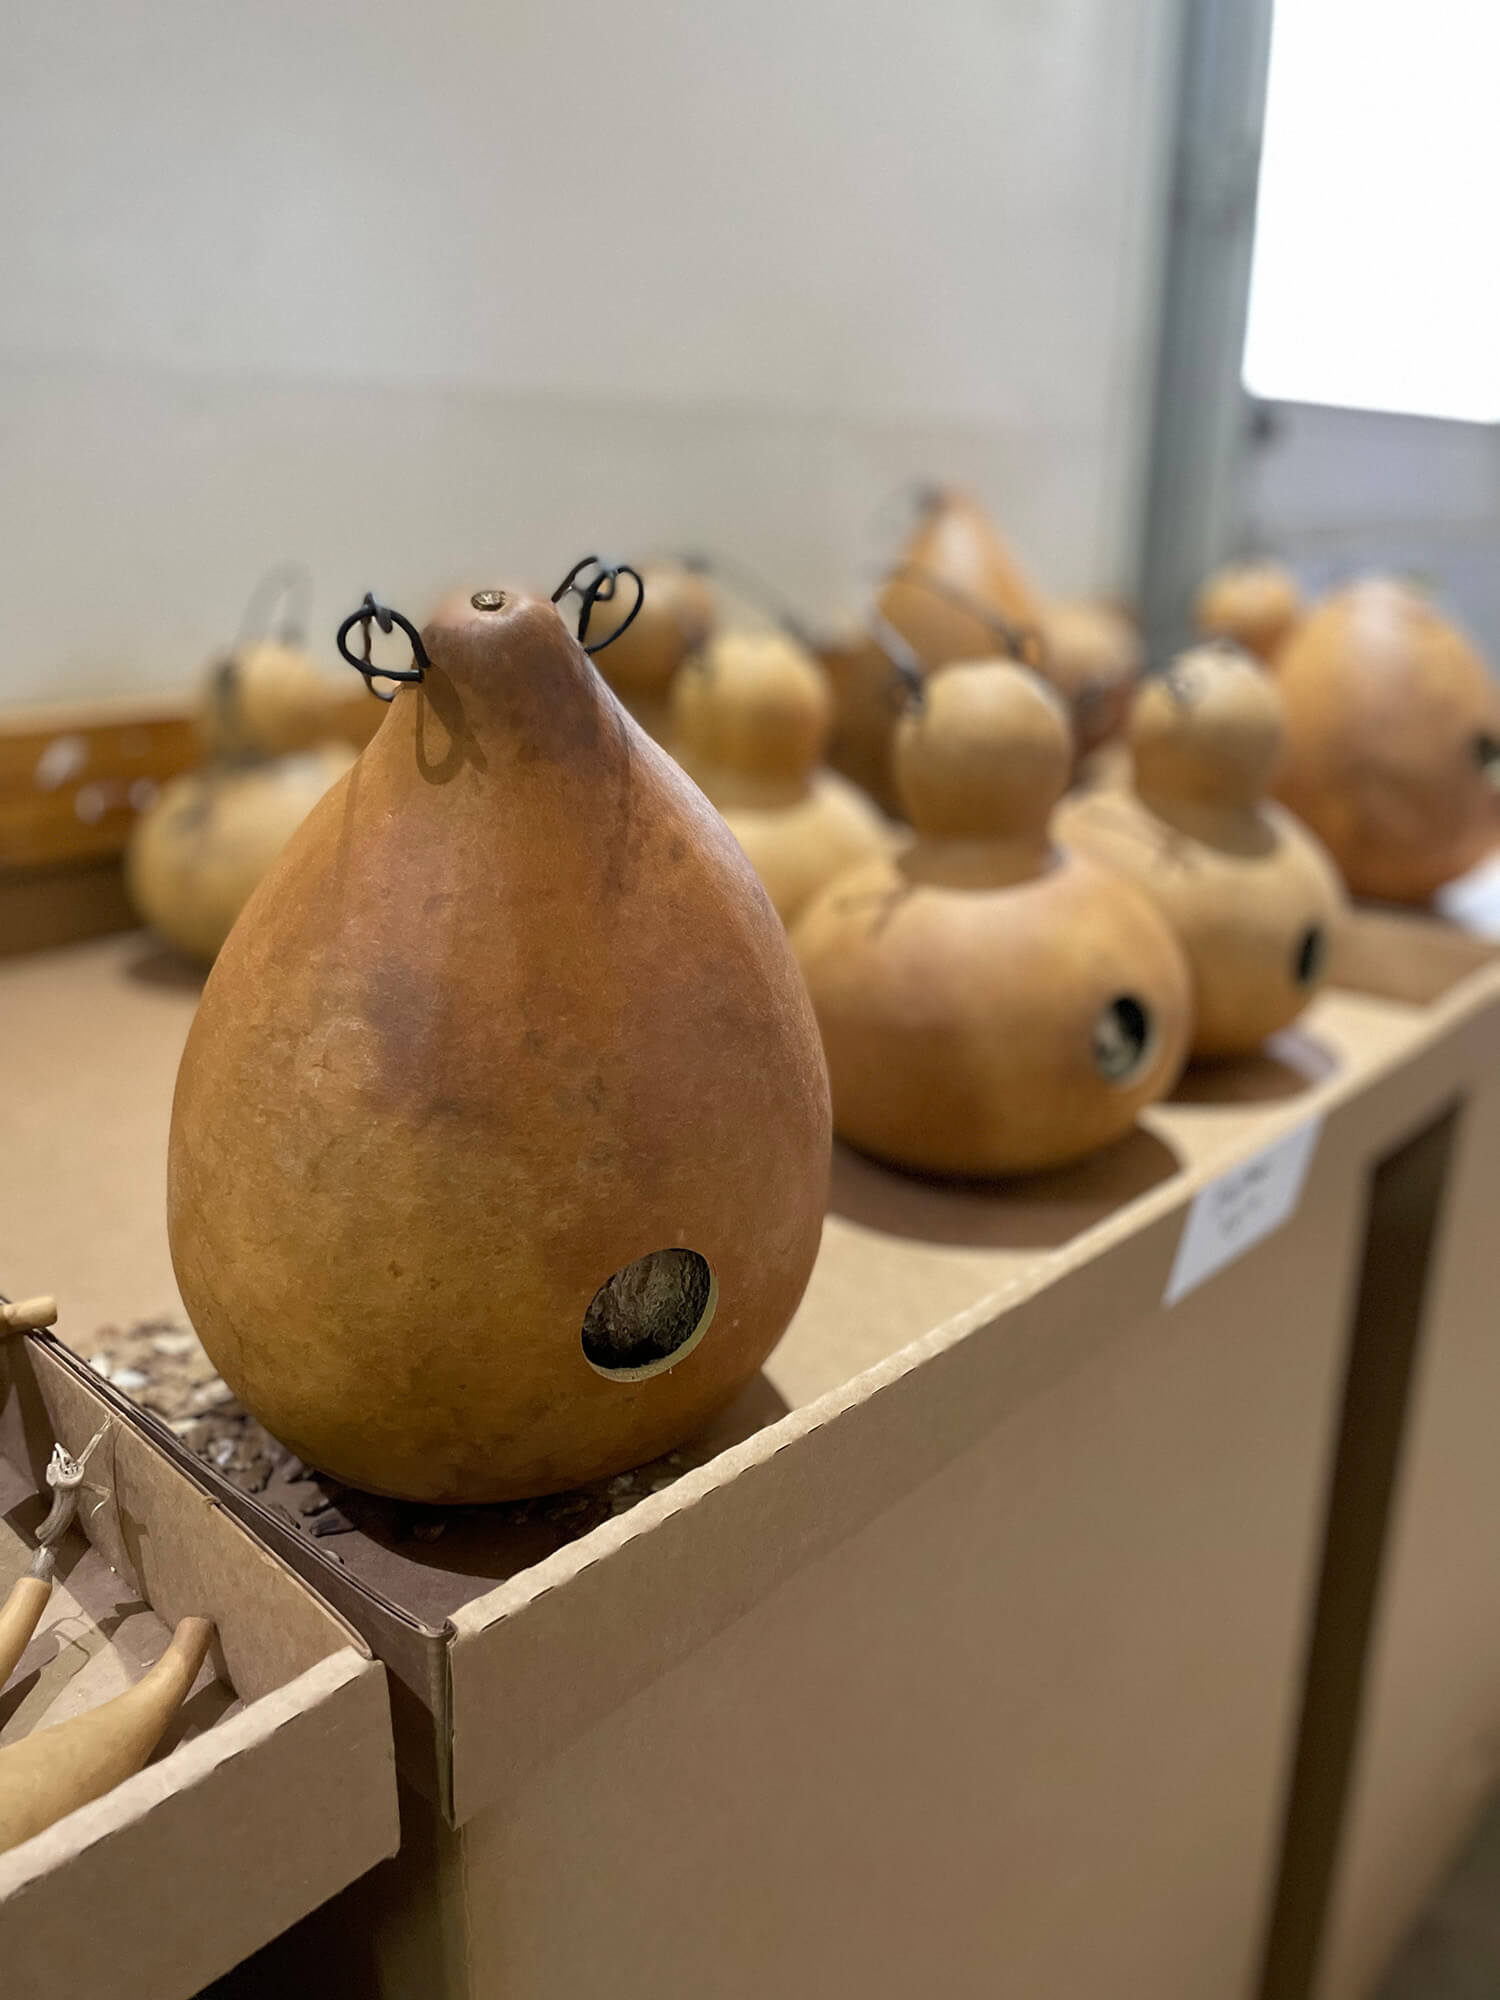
[988, 1603]
[280, 1789]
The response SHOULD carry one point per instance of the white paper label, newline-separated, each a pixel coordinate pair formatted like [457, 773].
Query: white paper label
[1240, 1209]
[1473, 901]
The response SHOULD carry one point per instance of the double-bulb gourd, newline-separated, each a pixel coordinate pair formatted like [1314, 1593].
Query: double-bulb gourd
[750, 719]
[674, 623]
[199, 849]
[1255, 604]
[990, 1003]
[952, 590]
[500, 1145]
[1250, 893]
[1392, 740]
[1093, 657]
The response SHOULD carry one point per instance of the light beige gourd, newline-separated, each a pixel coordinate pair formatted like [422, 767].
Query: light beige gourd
[750, 719]
[54, 1771]
[1256, 604]
[200, 848]
[675, 621]
[500, 1146]
[990, 1003]
[1251, 894]
[1392, 739]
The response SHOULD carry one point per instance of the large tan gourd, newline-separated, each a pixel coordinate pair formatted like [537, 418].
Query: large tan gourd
[1392, 740]
[990, 1003]
[1256, 604]
[199, 849]
[1251, 894]
[749, 723]
[1092, 656]
[675, 622]
[953, 583]
[54, 1771]
[501, 1138]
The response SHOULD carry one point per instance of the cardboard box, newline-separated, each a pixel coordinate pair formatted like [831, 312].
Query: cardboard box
[280, 1789]
[967, 1656]
[1399, 1747]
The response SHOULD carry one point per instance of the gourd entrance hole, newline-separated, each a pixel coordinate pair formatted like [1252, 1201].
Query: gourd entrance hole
[649, 1314]
[1312, 955]
[1122, 1038]
[1487, 757]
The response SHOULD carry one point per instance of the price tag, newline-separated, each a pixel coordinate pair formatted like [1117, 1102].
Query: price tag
[1240, 1209]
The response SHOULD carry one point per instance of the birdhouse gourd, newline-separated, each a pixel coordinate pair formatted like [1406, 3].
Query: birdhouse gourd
[501, 1138]
[990, 1004]
[675, 621]
[750, 719]
[1392, 740]
[204, 842]
[1250, 893]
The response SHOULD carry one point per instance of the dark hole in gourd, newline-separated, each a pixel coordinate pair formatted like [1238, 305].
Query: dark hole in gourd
[643, 1317]
[1487, 757]
[1122, 1034]
[1312, 953]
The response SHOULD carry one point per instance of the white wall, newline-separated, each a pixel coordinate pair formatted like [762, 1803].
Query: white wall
[442, 292]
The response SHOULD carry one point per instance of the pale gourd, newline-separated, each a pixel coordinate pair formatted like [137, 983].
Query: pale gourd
[990, 1003]
[55, 1771]
[200, 847]
[1253, 897]
[675, 622]
[1392, 740]
[750, 721]
[500, 1145]
[1256, 604]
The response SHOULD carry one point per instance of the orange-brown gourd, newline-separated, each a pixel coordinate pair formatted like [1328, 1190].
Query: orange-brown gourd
[199, 849]
[501, 1138]
[1251, 894]
[675, 621]
[54, 1771]
[1092, 656]
[1392, 740]
[990, 1004]
[749, 723]
[1256, 604]
[953, 579]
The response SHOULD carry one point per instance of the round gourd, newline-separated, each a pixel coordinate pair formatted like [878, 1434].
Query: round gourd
[1092, 656]
[674, 622]
[199, 849]
[1256, 604]
[500, 1145]
[990, 1004]
[1252, 896]
[1392, 740]
[750, 719]
[263, 700]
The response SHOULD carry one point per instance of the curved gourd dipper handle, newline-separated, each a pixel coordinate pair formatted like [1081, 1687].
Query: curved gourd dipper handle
[54, 1771]
[19, 1616]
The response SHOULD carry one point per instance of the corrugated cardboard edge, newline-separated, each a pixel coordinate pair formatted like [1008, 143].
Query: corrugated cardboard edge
[737, 1531]
[177, 1874]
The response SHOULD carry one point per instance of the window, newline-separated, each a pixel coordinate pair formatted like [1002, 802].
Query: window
[1376, 279]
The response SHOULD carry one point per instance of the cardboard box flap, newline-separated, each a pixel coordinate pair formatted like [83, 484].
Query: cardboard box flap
[176, 1875]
